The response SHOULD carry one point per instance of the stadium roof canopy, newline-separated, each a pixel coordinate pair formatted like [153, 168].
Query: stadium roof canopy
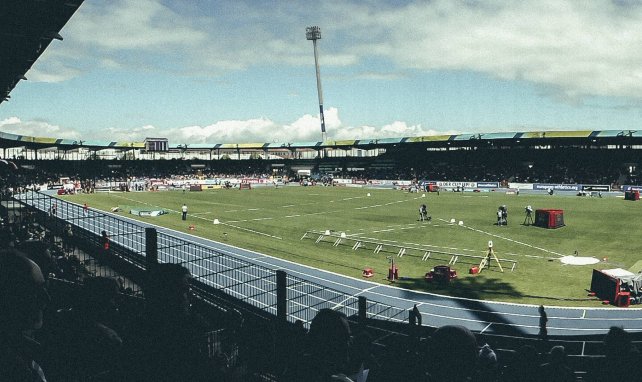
[27, 27]
[597, 138]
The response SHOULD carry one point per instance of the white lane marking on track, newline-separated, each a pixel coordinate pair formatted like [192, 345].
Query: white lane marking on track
[341, 303]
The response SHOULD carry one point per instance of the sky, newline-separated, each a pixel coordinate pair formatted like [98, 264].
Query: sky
[219, 71]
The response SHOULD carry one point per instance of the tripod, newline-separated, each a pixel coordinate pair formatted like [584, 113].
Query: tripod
[485, 263]
[528, 220]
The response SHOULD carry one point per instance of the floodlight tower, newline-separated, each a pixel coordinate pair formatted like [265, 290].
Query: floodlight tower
[314, 34]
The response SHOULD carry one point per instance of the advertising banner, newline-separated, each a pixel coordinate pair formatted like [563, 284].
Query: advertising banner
[631, 188]
[487, 184]
[457, 184]
[556, 187]
[596, 187]
[521, 186]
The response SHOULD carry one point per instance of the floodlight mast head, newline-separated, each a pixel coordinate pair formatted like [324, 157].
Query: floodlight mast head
[313, 33]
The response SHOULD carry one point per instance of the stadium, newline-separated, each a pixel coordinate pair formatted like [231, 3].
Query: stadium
[274, 233]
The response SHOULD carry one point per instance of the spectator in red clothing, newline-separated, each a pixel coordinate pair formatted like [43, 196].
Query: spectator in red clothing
[104, 241]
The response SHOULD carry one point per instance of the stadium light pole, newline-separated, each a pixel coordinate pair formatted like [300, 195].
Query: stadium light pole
[314, 34]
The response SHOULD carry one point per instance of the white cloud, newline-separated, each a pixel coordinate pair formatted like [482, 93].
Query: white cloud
[133, 25]
[233, 131]
[306, 128]
[54, 71]
[15, 125]
[573, 48]
[126, 134]
[576, 48]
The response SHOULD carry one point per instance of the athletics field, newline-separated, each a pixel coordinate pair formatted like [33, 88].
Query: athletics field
[273, 221]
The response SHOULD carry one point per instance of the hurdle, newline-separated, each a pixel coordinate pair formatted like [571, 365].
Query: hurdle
[403, 250]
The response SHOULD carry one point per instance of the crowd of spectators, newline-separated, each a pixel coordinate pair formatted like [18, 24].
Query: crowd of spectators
[54, 254]
[564, 165]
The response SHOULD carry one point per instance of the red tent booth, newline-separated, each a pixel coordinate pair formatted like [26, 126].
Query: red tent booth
[549, 218]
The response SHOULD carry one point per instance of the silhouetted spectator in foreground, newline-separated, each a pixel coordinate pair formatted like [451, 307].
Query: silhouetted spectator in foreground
[68, 239]
[621, 360]
[328, 352]
[83, 343]
[452, 354]
[169, 342]
[524, 367]
[487, 369]
[556, 369]
[23, 297]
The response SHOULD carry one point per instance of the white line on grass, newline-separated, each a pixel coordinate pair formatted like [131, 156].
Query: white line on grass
[207, 220]
[511, 240]
[252, 231]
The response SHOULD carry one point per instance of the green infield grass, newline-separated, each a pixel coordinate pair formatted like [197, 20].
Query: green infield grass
[273, 222]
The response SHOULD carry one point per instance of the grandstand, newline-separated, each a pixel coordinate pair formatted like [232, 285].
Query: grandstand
[273, 298]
